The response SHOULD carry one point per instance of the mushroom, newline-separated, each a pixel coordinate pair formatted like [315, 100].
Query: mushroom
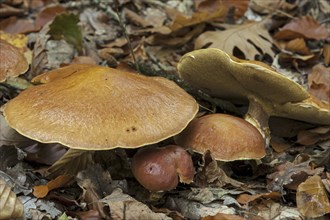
[161, 169]
[227, 137]
[13, 62]
[267, 92]
[97, 108]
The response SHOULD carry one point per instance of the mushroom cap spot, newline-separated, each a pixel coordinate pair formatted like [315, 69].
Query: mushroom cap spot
[97, 108]
[159, 169]
[220, 75]
[13, 62]
[228, 138]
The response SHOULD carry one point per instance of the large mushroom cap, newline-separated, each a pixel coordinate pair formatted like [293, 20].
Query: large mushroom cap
[13, 62]
[96, 108]
[239, 81]
[228, 138]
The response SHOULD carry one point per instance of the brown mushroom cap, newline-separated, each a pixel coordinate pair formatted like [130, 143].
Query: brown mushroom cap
[13, 62]
[228, 138]
[97, 108]
[161, 169]
[240, 81]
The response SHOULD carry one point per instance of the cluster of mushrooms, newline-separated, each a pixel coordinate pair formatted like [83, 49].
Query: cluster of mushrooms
[89, 107]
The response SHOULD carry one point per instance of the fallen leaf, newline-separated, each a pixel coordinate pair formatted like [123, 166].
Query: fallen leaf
[48, 14]
[7, 10]
[312, 199]
[181, 21]
[290, 175]
[298, 45]
[326, 54]
[17, 26]
[11, 207]
[13, 62]
[247, 41]
[222, 216]
[319, 82]
[41, 191]
[65, 26]
[123, 206]
[306, 27]
[210, 6]
[95, 183]
[313, 136]
[246, 198]
[210, 174]
[70, 163]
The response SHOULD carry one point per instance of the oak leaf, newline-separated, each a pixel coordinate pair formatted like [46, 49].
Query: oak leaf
[247, 41]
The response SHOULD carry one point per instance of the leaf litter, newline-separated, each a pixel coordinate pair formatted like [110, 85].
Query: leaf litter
[291, 182]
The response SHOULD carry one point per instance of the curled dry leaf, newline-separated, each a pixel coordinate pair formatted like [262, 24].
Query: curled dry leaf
[17, 26]
[319, 82]
[313, 136]
[181, 21]
[305, 27]
[211, 6]
[13, 62]
[298, 45]
[11, 207]
[246, 198]
[247, 41]
[326, 54]
[312, 199]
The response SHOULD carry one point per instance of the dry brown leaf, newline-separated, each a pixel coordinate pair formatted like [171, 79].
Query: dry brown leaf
[290, 175]
[247, 41]
[7, 10]
[211, 6]
[13, 62]
[95, 183]
[210, 174]
[303, 27]
[123, 206]
[70, 163]
[326, 54]
[298, 45]
[312, 199]
[17, 26]
[222, 216]
[47, 14]
[279, 145]
[246, 198]
[181, 21]
[319, 82]
[313, 136]
[42, 191]
[11, 207]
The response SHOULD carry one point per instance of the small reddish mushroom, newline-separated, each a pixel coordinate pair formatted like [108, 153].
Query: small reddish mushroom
[161, 169]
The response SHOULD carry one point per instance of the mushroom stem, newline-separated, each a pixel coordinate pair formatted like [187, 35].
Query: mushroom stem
[258, 115]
